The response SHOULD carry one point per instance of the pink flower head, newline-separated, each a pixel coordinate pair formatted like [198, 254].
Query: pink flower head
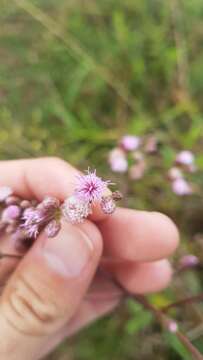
[32, 219]
[32, 231]
[115, 153]
[172, 326]
[117, 160]
[188, 261]
[119, 165]
[181, 187]
[137, 171]
[185, 157]
[90, 187]
[11, 213]
[130, 142]
[32, 216]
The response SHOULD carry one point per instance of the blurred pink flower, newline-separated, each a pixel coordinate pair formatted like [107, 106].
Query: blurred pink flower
[172, 326]
[117, 160]
[175, 173]
[151, 144]
[137, 171]
[11, 213]
[130, 142]
[188, 261]
[181, 187]
[185, 157]
[119, 165]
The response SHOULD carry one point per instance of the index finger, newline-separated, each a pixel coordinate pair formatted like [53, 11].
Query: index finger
[37, 178]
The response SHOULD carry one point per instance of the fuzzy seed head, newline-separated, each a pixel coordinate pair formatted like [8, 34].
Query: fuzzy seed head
[108, 205]
[75, 210]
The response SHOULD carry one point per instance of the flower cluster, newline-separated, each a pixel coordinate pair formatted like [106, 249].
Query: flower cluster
[184, 163]
[25, 219]
[131, 155]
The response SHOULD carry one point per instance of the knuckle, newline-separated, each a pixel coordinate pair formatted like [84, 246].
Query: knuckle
[31, 314]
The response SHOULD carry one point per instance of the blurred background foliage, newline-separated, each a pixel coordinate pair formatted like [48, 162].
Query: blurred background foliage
[75, 76]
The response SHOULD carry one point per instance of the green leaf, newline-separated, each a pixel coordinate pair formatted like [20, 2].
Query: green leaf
[176, 344]
[139, 322]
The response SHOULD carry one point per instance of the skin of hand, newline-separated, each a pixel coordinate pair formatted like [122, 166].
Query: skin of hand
[52, 292]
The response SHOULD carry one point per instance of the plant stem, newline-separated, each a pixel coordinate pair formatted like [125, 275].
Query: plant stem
[185, 301]
[159, 315]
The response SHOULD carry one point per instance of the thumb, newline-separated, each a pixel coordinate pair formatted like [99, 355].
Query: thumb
[46, 289]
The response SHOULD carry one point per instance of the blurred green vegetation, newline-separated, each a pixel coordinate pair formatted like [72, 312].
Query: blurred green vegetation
[74, 76]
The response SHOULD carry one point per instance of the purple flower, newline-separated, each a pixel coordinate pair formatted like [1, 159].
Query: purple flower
[130, 142]
[32, 216]
[11, 213]
[32, 231]
[117, 160]
[90, 187]
[181, 187]
[137, 171]
[188, 261]
[119, 165]
[172, 326]
[185, 157]
[32, 220]
[53, 228]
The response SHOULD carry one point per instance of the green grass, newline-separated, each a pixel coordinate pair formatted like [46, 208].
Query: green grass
[75, 76]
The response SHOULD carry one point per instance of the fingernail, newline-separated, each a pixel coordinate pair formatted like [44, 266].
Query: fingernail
[69, 252]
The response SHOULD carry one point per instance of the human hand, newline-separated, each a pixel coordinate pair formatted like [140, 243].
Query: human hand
[53, 291]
